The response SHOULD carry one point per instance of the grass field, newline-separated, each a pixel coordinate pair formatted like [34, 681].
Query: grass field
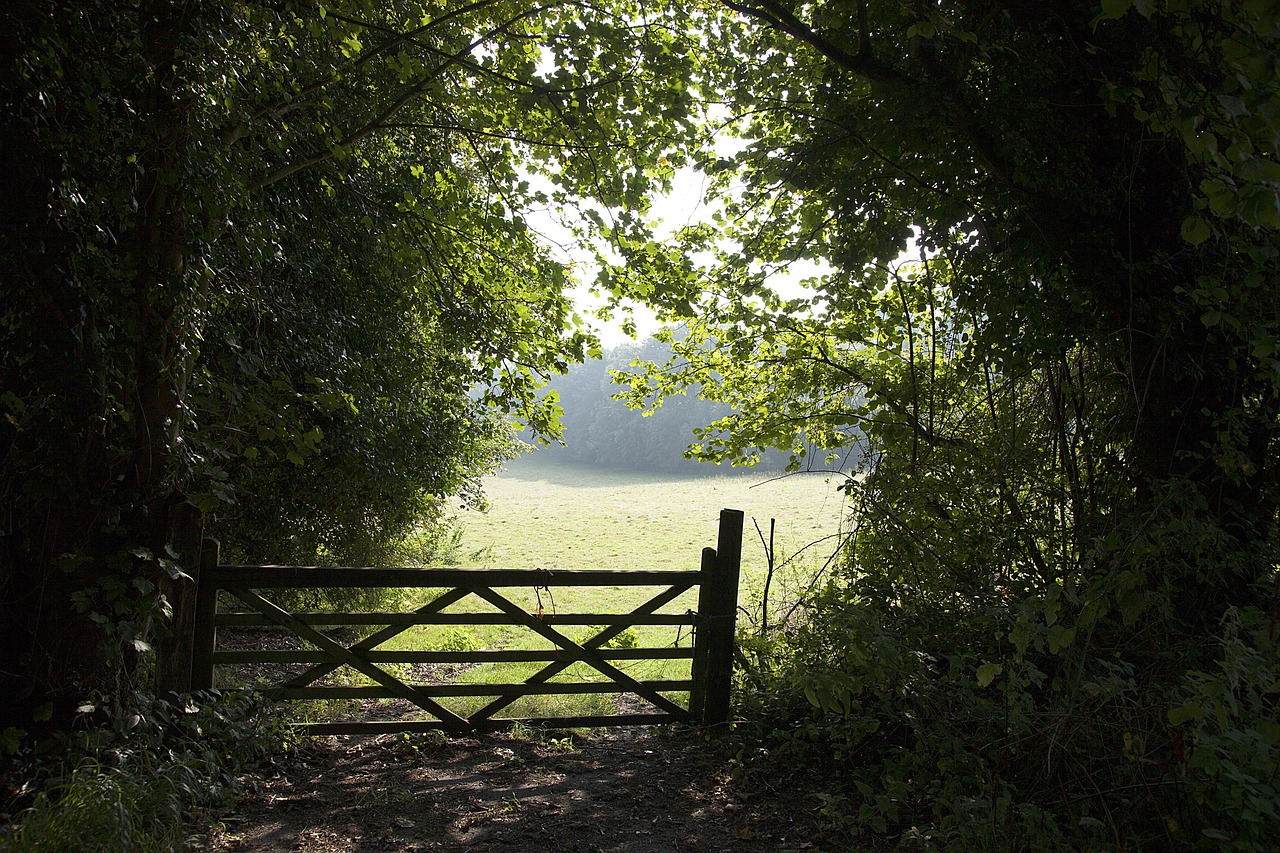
[547, 514]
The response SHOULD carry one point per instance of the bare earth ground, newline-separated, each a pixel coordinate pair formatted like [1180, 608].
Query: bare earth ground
[625, 791]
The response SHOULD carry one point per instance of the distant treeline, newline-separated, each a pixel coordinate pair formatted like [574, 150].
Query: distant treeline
[602, 431]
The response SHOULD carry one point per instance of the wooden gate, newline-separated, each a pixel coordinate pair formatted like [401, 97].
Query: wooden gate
[711, 653]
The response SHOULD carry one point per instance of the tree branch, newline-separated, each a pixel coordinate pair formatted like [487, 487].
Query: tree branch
[862, 63]
[379, 121]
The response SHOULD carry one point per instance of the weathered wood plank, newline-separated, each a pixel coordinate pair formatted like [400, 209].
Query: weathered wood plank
[450, 720]
[454, 689]
[274, 577]
[378, 637]
[378, 727]
[588, 656]
[698, 669]
[204, 630]
[717, 614]
[596, 642]
[174, 657]
[478, 656]
[408, 620]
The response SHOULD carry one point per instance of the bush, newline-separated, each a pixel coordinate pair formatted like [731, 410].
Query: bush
[918, 723]
[1228, 730]
[144, 774]
[432, 542]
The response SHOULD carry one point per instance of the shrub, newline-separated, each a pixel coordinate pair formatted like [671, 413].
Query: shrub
[141, 777]
[455, 639]
[1229, 733]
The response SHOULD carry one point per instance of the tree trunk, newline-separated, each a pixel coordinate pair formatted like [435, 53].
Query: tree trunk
[89, 476]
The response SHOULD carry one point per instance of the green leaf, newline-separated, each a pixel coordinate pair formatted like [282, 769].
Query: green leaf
[1052, 603]
[1115, 9]
[1020, 637]
[987, 673]
[1233, 105]
[1060, 638]
[11, 740]
[1195, 230]
[1185, 713]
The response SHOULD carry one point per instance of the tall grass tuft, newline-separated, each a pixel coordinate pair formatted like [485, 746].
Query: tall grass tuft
[102, 809]
[143, 774]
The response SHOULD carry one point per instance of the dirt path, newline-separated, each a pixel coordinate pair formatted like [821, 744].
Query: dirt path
[628, 791]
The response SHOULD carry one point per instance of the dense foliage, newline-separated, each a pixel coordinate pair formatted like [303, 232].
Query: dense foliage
[138, 773]
[1052, 312]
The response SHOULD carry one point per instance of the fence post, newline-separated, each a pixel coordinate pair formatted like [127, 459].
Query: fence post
[698, 668]
[712, 672]
[184, 531]
[204, 634]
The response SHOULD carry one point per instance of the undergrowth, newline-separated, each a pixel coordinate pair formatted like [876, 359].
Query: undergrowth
[889, 706]
[142, 774]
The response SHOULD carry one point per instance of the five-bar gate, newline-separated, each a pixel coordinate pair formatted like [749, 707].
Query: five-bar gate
[711, 653]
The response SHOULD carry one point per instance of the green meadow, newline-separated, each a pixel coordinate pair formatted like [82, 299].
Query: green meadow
[548, 514]
[551, 515]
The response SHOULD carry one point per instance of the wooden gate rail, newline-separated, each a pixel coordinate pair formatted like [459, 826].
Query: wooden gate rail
[711, 656]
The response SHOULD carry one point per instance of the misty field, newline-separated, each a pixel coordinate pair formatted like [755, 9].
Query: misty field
[552, 515]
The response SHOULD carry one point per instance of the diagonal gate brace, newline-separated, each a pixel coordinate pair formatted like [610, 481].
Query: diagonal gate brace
[376, 639]
[552, 669]
[448, 719]
[580, 653]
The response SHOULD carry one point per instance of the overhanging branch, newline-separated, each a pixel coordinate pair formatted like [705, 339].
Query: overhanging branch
[862, 63]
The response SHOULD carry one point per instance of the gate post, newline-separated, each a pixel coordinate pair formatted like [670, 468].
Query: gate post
[184, 533]
[698, 668]
[712, 670]
[204, 632]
